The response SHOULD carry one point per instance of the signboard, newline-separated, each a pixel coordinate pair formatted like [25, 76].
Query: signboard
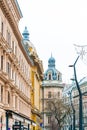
[17, 126]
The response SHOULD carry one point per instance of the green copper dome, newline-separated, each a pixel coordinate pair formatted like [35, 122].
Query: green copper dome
[52, 73]
[51, 62]
[25, 34]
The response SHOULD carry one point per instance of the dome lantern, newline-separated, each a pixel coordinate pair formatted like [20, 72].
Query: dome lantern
[51, 62]
[25, 34]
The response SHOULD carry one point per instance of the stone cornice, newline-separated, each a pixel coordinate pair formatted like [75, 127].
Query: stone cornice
[11, 18]
[38, 63]
[35, 111]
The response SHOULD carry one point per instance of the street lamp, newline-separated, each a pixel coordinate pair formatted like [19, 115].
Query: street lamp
[70, 94]
[80, 95]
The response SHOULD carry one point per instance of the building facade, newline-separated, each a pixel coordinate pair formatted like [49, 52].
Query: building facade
[36, 77]
[15, 70]
[72, 89]
[52, 85]
[83, 88]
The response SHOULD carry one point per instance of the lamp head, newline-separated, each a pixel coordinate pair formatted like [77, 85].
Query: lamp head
[72, 79]
[71, 65]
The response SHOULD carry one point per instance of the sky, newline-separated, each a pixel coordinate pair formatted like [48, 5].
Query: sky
[54, 27]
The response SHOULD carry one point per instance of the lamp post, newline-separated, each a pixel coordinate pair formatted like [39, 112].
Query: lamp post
[80, 96]
[69, 93]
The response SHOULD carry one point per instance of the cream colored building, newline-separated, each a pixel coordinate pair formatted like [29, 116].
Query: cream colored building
[83, 88]
[72, 91]
[52, 86]
[15, 84]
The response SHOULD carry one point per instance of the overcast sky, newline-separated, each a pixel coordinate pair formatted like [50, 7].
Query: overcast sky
[54, 26]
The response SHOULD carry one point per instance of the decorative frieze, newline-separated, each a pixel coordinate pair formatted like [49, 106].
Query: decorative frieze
[9, 2]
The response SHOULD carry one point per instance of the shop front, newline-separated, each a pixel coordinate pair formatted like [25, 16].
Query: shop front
[15, 121]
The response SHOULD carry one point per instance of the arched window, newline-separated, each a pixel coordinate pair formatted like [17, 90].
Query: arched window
[58, 77]
[49, 76]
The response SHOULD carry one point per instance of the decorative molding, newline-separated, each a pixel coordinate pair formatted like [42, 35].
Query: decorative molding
[9, 2]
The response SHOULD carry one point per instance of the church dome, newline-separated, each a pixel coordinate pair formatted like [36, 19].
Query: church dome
[52, 73]
[27, 42]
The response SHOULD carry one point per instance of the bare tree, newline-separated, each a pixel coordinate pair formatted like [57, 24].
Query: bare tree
[58, 112]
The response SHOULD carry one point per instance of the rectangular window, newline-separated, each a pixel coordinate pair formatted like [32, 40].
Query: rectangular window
[15, 78]
[8, 38]
[1, 93]
[59, 94]
[1, 62]
[15, 50]
[8, 70]
[13, 46]
[49, 119]
[49, 94]
[15, 102]
[2, 28]
[12, 74]
[1, 122]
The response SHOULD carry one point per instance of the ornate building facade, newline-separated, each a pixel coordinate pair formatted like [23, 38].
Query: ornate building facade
[71, 96]
[36, 77]
[17, 63]
[52, 85]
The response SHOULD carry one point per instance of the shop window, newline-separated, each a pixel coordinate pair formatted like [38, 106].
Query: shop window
[33, 128]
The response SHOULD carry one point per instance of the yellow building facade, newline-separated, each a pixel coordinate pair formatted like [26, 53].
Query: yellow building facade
[36, 77]
[36, 95]
[36, 80]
